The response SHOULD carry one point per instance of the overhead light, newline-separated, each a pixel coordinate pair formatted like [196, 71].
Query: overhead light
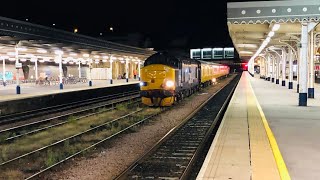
[42, 51]
[47, 59]
[58, 52]
[96, 56]
[105, 57]
[22, 49]
[271, 34]
[73, 54]
[42, 61]
[86, 55]
[246, 52]
[11, 53]
[23, 59]
[276, 27]
[33, 59]
[247, 45]
[104, 60]
[12, 59]
[121, 59]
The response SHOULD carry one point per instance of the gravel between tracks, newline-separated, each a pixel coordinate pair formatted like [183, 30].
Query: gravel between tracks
[110, 161]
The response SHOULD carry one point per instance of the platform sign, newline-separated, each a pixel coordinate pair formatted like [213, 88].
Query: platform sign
[18, 65]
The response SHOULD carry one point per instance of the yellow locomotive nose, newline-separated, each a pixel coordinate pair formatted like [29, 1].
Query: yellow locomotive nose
[158, 85]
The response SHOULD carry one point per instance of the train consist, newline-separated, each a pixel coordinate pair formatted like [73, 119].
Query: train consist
[166, 78]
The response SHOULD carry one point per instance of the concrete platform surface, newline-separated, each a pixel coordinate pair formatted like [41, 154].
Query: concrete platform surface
[241, 148]
[296, 129]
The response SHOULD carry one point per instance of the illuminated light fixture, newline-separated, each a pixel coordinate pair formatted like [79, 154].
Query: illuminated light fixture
[23, 59]
[64, 62]
[12, 59]
[268, 39]
[247, 45]
[11, 53]
[58, 52]
[73, 54]
[34, 59]
[47, 59]
[75, 30]
[271, 34]
[86, 55]
[96, 56]
[80, 59]
[121, 59]
[113, 58]
[42, 61]
[136, 62]
[104, 60]
[169, 84]
[71, 62]
[105, 57]
[246, 52]
[70, 58]
[22, 49]
[276, 27]
[42, 51]
[214, 79]
[127, 59]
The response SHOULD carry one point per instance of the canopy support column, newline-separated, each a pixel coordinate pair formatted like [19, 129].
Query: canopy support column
[303, 74]
[290, 68]
[284, 63]
[311, 66]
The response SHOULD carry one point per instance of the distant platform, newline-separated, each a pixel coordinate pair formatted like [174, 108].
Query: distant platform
[29, 90]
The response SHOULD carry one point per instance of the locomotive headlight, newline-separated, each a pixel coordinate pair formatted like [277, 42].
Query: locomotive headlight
[169, 84]
[214, 80]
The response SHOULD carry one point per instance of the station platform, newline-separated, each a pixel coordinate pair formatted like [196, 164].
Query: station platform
[265, 135]
[29, 90]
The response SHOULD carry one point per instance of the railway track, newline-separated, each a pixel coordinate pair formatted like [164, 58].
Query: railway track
[32, 164]
[174, 155]
[11, 118]
[19, 131]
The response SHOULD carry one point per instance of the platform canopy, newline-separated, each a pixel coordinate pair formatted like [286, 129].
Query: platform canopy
[250, 23]
[41, 41]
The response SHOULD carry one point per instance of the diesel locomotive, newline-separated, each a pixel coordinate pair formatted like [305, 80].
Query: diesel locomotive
[166, 79]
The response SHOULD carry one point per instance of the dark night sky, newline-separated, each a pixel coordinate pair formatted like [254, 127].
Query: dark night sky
[191, 24]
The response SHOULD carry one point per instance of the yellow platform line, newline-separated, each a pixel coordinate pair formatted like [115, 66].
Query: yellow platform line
[284, 174]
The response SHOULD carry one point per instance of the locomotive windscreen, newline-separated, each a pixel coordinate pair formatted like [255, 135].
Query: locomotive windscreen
[163, 58]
